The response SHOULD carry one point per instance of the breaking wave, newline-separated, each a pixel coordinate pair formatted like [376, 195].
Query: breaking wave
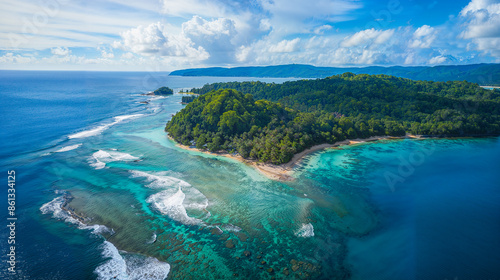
[99, 159]
[98, 130]
[306, 230]
[129, 266]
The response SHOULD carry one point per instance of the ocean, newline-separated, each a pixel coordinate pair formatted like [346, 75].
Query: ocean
[101, 193]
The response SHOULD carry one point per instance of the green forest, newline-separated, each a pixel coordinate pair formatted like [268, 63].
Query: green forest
[163, 91]
[272, 122]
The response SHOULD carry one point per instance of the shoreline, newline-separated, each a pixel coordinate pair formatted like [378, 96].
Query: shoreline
[283, 172]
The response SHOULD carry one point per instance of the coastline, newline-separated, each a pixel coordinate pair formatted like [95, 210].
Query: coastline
[284, 172]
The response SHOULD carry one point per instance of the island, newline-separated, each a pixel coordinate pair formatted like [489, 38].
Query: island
[162, 91]
[273, 125]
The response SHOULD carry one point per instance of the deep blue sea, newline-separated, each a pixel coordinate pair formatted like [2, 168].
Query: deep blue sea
[101, 193]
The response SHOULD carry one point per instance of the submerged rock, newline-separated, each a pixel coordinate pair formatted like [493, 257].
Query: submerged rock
[286, 271]
[229, 244]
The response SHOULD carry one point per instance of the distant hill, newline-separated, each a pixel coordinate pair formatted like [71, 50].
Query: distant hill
[483, 74]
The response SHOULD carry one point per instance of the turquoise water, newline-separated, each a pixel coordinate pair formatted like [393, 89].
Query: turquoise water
[102, 193]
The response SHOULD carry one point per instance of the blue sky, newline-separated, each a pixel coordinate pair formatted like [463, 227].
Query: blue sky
[163, 35]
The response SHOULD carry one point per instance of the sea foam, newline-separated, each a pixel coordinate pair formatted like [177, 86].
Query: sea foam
[306, 230]
[56, 207]
[129, 266]
[98, 130]
[99, 159]
[175, 197]
[68, 148]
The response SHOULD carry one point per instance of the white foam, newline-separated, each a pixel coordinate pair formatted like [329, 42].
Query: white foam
[306, 230]
[99, 159]
[176, 196]
[55, 207]
[68, 148]
[115, 267]
[153, 239]
[129, 266]
[98, 229]
[230, 227]
[98, 130]
[172, 205]
[160, 181]
[125, 117]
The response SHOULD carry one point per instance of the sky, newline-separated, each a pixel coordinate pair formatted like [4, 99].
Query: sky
[164, 35]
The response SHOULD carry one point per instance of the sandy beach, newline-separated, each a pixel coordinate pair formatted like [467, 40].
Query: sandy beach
[283, 172]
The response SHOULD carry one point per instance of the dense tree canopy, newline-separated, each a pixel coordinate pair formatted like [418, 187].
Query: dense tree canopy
[303, 113]
[163, 91]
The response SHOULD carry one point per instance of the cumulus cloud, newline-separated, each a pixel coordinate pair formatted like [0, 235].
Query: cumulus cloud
[10, 58]
[285, 46]
[106, 52]
[213, 36]
[143, 39]
[437, 60]
[152, 40]
[369, 35]
[60, 51]
[423, 37]
[481, 19]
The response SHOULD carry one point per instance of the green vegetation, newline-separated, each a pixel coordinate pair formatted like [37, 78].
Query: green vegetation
[483, 74]
[163, 91]
[189, 99]
[300, 114]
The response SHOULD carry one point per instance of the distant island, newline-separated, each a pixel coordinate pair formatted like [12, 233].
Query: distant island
[271, 123]
[482, 74]
[162, 91]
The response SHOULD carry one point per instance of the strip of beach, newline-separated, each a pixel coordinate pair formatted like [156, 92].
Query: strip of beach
[283, 172]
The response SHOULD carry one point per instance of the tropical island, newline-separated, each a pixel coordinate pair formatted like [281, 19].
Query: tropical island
[270, 123]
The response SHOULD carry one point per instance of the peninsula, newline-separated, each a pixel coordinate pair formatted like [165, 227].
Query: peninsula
[276, 124]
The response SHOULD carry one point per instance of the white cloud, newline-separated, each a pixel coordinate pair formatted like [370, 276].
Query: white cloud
[213, 36]
[291, 16]
[60, 51]
[10, 58]
[198, 40]
[320, 30]
[32, 24]
[144, 39]
[423, 37]
[183, 8]
[152, 40]
[437, 60]
[481, 21]
[285, 46]
[369, 35]
[106, 52]
[265, 24]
